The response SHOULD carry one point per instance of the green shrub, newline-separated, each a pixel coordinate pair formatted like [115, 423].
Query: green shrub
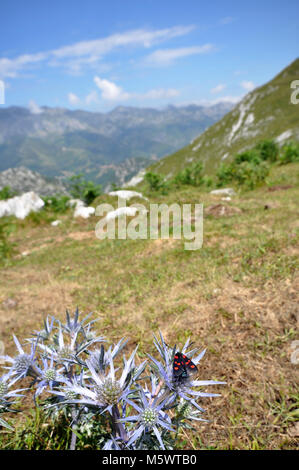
[225, 174]
[114, 187]
[252, 156]
[250, 175]
[155, 181]
[268, 150]
[6, 193]
[207, 181]
[56, 203]
[191, 175]
[85, 190]
[247, 170]
[290, 153]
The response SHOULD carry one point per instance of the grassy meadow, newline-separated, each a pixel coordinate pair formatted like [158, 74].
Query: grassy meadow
[237, 296]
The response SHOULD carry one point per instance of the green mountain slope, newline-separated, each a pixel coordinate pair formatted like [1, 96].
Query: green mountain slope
[264, 113]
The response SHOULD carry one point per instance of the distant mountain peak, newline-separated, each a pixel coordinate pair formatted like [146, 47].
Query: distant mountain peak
[57, 141]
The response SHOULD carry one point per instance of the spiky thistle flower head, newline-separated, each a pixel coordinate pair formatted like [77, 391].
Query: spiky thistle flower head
[6, 397]
[49, 376]
[150, 417]
[23, 364]
[183, 388]
[104, 389]
[45, 333]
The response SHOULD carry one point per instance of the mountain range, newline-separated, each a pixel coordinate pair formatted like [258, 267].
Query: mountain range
[105, 147]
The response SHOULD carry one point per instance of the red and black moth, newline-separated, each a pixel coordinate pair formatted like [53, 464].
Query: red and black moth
[183, 367]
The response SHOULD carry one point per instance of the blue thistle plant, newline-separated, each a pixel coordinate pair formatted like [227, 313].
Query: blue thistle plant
[6, 396]
[85, 384]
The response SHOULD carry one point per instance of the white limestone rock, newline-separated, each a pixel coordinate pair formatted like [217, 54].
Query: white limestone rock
[82, 211]
[55, 223]
[223, 192]
[21, 206]
[125, 194]
[75, 203]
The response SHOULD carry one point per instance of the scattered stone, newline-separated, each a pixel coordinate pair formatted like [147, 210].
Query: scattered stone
[220, 210]
[75, 203]
[55, 223]
[226, 198]
[9, 303]
[82, 211]
[21, 206]
[125, 194]
[294, 430]
[223, 192]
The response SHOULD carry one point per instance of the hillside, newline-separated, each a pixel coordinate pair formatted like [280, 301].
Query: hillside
[264, 113]
[106, 147]
[237, 296]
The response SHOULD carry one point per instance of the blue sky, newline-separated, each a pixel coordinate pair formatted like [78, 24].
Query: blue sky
[97, 55]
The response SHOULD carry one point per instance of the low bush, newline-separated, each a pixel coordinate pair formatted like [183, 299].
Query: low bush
[155, 182]
[289, 153]
[191, 175]
[6, 193]
[56, 203]
[268, 150]
[82, 189]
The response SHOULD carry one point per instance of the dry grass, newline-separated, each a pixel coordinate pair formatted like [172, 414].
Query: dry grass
[237, 296]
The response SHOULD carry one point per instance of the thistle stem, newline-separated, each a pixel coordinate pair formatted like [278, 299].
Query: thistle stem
[118, 427]
[74, 435]
[157, 391]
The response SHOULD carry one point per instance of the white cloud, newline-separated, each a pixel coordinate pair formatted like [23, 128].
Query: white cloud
[159, 94]
[73, 99]
[218, 88]
[247, 85]
[89, 53]
[92, 97]
[220, 99]
[166, 57]
[110, 91]
[227, 99]
[34, 108]
[139, 37]
[11, 67]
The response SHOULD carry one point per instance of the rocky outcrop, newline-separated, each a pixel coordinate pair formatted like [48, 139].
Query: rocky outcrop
[23, 180]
